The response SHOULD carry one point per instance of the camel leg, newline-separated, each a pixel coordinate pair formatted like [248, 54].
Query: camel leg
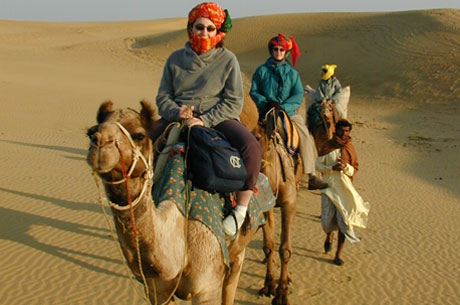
[288, 210]
[231, 281]
[269, 248]
[237, 250]
[212, 296]
[163, 292]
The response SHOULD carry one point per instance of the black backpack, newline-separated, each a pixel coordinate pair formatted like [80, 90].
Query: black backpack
[214, 165]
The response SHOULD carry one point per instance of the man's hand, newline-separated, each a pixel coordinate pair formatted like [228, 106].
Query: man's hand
[186, 112]
[339, 167]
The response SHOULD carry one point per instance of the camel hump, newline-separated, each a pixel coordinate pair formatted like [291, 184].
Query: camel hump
[250, 115]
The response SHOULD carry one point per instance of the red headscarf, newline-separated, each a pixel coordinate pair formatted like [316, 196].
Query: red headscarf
[217, 15]
[286, 43]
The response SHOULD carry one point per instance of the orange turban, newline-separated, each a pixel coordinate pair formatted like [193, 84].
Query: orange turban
[209, 10]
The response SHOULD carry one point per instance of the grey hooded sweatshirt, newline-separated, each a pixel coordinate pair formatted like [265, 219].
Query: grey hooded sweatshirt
[210, 81]
[328, 89]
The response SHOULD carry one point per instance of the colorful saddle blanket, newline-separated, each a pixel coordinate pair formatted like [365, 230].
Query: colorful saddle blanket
[280, 121]
[203, 206]
[291, 135]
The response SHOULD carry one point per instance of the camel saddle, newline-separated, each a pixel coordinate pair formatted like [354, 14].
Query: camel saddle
[171, 184]
[278, 121]
[198, 204]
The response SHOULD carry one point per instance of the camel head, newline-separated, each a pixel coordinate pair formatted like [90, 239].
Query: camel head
[327, 116]
[120, 142]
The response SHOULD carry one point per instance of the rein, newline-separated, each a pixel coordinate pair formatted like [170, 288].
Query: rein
[276, 143]
[148, 174]
[148, 182]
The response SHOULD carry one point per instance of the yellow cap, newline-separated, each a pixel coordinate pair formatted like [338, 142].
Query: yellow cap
[328, 71]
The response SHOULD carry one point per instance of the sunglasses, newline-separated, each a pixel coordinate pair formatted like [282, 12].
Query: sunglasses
[201, 27]
[276, 49]
[325, 70]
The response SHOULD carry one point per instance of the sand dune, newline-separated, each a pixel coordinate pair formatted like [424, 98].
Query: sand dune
[403, 71]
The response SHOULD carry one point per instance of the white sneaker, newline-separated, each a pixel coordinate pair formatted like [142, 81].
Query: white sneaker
[233, 222]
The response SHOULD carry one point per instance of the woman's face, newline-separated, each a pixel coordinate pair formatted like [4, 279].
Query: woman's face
[278, 53]
[204, 27]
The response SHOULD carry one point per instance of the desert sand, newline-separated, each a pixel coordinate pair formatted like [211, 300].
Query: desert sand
[405, 103]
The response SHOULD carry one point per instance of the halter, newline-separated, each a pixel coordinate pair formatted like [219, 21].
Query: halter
[148, 174]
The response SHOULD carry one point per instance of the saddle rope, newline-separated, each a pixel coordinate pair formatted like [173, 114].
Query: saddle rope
[276, 144]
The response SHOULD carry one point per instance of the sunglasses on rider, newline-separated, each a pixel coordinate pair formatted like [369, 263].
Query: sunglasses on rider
[325, 70]
[278, 49]
[201, 27]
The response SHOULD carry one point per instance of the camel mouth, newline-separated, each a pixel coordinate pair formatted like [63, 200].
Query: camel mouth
[101, 171]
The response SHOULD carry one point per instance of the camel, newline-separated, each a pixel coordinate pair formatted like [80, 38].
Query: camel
[179, 257]
[284, 177]
[325, 131]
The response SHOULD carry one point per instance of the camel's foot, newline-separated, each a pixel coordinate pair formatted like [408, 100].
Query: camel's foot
[269, 288]
[281, 297]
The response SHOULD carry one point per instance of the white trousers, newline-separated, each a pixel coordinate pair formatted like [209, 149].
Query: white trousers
[307, 147]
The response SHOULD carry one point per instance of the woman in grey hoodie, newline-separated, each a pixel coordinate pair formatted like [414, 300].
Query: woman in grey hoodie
[202, 84]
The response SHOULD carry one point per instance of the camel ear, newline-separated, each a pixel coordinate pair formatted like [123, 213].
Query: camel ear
[148, 114]
[104, 111]
[91, 131]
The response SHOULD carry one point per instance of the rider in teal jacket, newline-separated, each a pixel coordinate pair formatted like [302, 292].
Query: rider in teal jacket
[277, 82]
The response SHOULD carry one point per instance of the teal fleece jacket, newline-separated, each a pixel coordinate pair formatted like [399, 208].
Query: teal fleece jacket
[277, 82]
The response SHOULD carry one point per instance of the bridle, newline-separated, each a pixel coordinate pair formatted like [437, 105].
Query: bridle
[137, 155]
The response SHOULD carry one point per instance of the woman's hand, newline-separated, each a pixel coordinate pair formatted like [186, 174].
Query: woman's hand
[194, 122]
[186, 112]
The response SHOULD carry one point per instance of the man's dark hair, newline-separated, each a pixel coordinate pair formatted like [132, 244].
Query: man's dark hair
[343, 123]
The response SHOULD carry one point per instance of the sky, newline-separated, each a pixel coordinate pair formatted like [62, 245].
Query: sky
[132, 10]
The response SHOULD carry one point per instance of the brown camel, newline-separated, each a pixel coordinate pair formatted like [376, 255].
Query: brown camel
[179, 257]
[325, 131]
[284, 177]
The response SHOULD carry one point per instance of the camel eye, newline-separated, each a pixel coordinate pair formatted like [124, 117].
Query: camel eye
[138, 137]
